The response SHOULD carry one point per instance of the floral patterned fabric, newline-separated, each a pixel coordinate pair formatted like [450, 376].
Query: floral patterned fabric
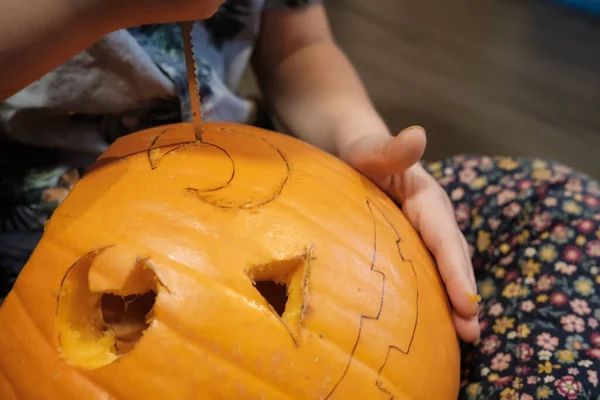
[534, 232]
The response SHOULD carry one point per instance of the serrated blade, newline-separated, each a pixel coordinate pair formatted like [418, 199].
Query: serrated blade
[190, 66]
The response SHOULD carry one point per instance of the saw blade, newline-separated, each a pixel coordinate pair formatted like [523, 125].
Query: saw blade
[192, 77]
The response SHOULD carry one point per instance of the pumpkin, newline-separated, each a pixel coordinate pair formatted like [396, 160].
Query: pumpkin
[249, 265]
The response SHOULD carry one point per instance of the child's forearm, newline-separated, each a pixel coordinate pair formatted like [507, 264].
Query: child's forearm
[38, 35]
[312, 86]
[318, 97]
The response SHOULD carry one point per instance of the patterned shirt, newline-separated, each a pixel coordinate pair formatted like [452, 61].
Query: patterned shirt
[132, 79]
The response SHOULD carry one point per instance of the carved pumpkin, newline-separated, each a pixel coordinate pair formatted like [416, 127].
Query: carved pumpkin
[247, 266]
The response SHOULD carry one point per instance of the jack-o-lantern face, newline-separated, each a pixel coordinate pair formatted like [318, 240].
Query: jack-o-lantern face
[249, 266]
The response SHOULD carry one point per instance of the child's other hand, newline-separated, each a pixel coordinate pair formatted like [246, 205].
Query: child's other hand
[392, 163]
[125, 14]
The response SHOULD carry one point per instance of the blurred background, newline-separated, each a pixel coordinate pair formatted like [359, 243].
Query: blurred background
[497, 77]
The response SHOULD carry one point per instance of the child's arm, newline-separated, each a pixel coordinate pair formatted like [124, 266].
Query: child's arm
[313, 87]
[318, 97]
[39, 35]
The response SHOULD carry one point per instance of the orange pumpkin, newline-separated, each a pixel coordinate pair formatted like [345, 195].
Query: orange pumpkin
[247, 266]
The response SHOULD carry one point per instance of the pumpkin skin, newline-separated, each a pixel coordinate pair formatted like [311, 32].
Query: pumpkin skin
[195, 227]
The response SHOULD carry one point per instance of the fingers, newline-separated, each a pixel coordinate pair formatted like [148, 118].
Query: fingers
[377, 155]
[467, 329]
[430, 212]
[468, 257]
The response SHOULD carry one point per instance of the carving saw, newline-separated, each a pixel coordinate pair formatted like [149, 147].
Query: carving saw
[192, 78]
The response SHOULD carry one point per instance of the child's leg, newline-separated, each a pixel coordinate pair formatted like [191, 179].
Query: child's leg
[534, 228]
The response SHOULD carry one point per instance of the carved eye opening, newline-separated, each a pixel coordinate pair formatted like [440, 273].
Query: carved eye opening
[104, 307]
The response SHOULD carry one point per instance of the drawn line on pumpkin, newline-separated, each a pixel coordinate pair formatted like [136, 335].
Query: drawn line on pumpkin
[370, 206]
[248, 204]
[154, 160]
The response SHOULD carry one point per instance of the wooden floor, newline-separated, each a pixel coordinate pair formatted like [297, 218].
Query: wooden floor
[498, 77]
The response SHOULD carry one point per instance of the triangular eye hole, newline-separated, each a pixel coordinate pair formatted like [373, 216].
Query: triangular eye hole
[284, 286]
[275, 294]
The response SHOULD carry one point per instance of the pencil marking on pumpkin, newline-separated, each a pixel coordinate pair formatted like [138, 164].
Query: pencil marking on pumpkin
[247, 203]
[405, 351]
[154, 156]
[207, 195]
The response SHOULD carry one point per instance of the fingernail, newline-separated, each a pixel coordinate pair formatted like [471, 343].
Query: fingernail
[411, 127]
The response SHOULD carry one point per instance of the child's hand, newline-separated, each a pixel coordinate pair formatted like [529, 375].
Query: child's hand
[392, 163]
[143, 12]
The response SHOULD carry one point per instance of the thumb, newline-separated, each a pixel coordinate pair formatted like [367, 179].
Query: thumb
[375, 154]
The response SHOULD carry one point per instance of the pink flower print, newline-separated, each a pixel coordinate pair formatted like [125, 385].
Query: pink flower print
[522, 370]
[559, 299]
[533, 380]
[496, 309]
[508, 259]
[492, 189]
[550, 202]
[593, 248]
[572, 323]
[594, 353]
[486, 162]
[526, 396]
[592, 323]
[541, 221]
[585, 226]
[591, 202]
[505, 196]
[595, 339]
[544, 283]
[547, 341]
[572, 254]
[568, 387]
[467, 175]
[511, 210]
[528, 306]
[580, 307]
[501, 362]
[457, 194]
[524, 352]
[505, 380]
[462, 212]
[593, 377]
[574, 185]
[573, 371]
[494, 223]
[490, 344]
[564, 268]
[561, 234]
[525, 184]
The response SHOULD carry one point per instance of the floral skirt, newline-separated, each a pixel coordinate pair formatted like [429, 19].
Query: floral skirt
[533, 228]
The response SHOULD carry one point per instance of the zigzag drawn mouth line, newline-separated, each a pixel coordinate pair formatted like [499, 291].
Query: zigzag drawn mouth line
[391, 348]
